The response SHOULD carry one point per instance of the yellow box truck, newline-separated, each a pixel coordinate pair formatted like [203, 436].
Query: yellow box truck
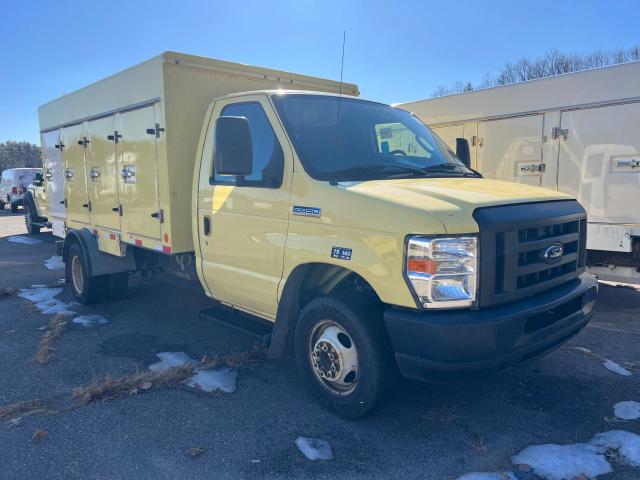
[372, 248]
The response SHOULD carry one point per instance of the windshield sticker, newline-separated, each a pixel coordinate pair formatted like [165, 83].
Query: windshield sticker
[341, 253]
[306, 211]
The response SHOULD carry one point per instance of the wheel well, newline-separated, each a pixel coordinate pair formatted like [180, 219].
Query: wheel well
[305, 283]
[326, 279]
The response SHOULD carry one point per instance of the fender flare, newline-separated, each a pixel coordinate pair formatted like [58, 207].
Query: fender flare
[98, 263]
[288, 309]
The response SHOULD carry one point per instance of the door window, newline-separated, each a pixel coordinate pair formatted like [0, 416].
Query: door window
[268, 159]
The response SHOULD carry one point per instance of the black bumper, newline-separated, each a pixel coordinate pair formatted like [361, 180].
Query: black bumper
[444, 345]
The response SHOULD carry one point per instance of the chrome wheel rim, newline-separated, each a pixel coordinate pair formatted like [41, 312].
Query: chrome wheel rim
[76, 274]
[333, 357]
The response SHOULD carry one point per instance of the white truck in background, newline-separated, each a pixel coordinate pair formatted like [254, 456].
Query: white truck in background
[578, 133]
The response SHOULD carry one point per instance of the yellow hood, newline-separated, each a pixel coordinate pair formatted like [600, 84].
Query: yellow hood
[453, 200]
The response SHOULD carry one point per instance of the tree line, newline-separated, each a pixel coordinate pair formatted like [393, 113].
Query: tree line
[552, 63]
[19, 154]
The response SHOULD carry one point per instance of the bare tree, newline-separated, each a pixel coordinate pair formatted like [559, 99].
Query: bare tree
[552, 63]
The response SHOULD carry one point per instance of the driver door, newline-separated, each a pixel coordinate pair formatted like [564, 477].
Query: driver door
[242, 225]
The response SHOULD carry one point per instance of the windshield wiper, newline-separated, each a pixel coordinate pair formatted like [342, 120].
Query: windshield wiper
[452, 167]
[381, 167]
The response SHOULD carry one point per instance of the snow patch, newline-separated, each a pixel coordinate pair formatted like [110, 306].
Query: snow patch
[54, 263]
[626, 444]
[169, 360]
[45, 301]
[628, 410]
[314, 448]
[24, 240]
[488, 476]
[218, 379]
[90, 320]
[616, 368]
[561, 462]
[222, 379]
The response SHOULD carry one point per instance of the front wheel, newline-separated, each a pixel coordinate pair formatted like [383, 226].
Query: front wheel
[343, 353]
[87, 290]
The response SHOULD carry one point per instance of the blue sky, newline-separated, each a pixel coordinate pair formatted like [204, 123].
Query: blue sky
[396, 50]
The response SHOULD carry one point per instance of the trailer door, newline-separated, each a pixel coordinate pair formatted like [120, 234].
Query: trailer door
[599, 161]
[137, 163]
[53, 173]
[103, 173]
[75, 175]
[511, 149]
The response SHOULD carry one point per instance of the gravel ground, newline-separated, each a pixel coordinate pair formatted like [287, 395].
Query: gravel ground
[425, 431]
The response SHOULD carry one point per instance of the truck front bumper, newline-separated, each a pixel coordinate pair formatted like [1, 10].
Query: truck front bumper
[444, 345]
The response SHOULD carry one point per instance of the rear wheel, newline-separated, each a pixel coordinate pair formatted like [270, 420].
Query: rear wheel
[87, 290]
[28, 220]
[343, 353]
[14, 207]
[2, 205]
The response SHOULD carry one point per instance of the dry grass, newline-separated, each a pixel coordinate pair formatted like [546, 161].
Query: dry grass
[45, 350]
[109, 388]
[24, 409]
[256, 354]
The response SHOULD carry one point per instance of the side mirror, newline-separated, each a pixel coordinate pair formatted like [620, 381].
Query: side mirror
[38, 179]
[233, 147]
[463, 152]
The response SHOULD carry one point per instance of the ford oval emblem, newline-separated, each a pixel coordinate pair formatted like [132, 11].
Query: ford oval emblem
[553, 252]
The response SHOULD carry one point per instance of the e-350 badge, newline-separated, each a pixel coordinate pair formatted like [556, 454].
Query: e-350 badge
[306, 211]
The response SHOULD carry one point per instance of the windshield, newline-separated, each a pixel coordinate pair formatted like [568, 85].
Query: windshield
[370, 140]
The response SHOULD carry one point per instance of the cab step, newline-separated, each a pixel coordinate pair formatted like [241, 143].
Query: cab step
[240, 321]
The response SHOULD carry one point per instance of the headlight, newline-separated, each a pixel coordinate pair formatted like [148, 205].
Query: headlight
[443, 271]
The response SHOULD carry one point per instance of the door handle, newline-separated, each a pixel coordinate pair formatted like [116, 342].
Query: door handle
[206, 225]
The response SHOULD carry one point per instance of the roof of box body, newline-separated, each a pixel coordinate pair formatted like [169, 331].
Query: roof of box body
[143, 83]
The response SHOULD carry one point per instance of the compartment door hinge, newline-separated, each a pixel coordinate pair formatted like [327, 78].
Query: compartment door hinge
[155, 131]
[159, 215]
[558, 132]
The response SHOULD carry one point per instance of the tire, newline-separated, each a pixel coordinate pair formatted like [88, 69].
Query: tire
[28, 220]
[14, 207]
[117, 284]
[356, 387]
[2, 205]
[87, 290]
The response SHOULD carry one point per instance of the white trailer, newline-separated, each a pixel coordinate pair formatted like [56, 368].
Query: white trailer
[578, 133]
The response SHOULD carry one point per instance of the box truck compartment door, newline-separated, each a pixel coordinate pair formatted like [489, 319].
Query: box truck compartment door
[75, 178]
[103, 173]
[54, 174]
[599, 161]
[138, 173]
[511, 149]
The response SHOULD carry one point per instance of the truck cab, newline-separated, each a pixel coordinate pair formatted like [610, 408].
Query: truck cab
[374, 248]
